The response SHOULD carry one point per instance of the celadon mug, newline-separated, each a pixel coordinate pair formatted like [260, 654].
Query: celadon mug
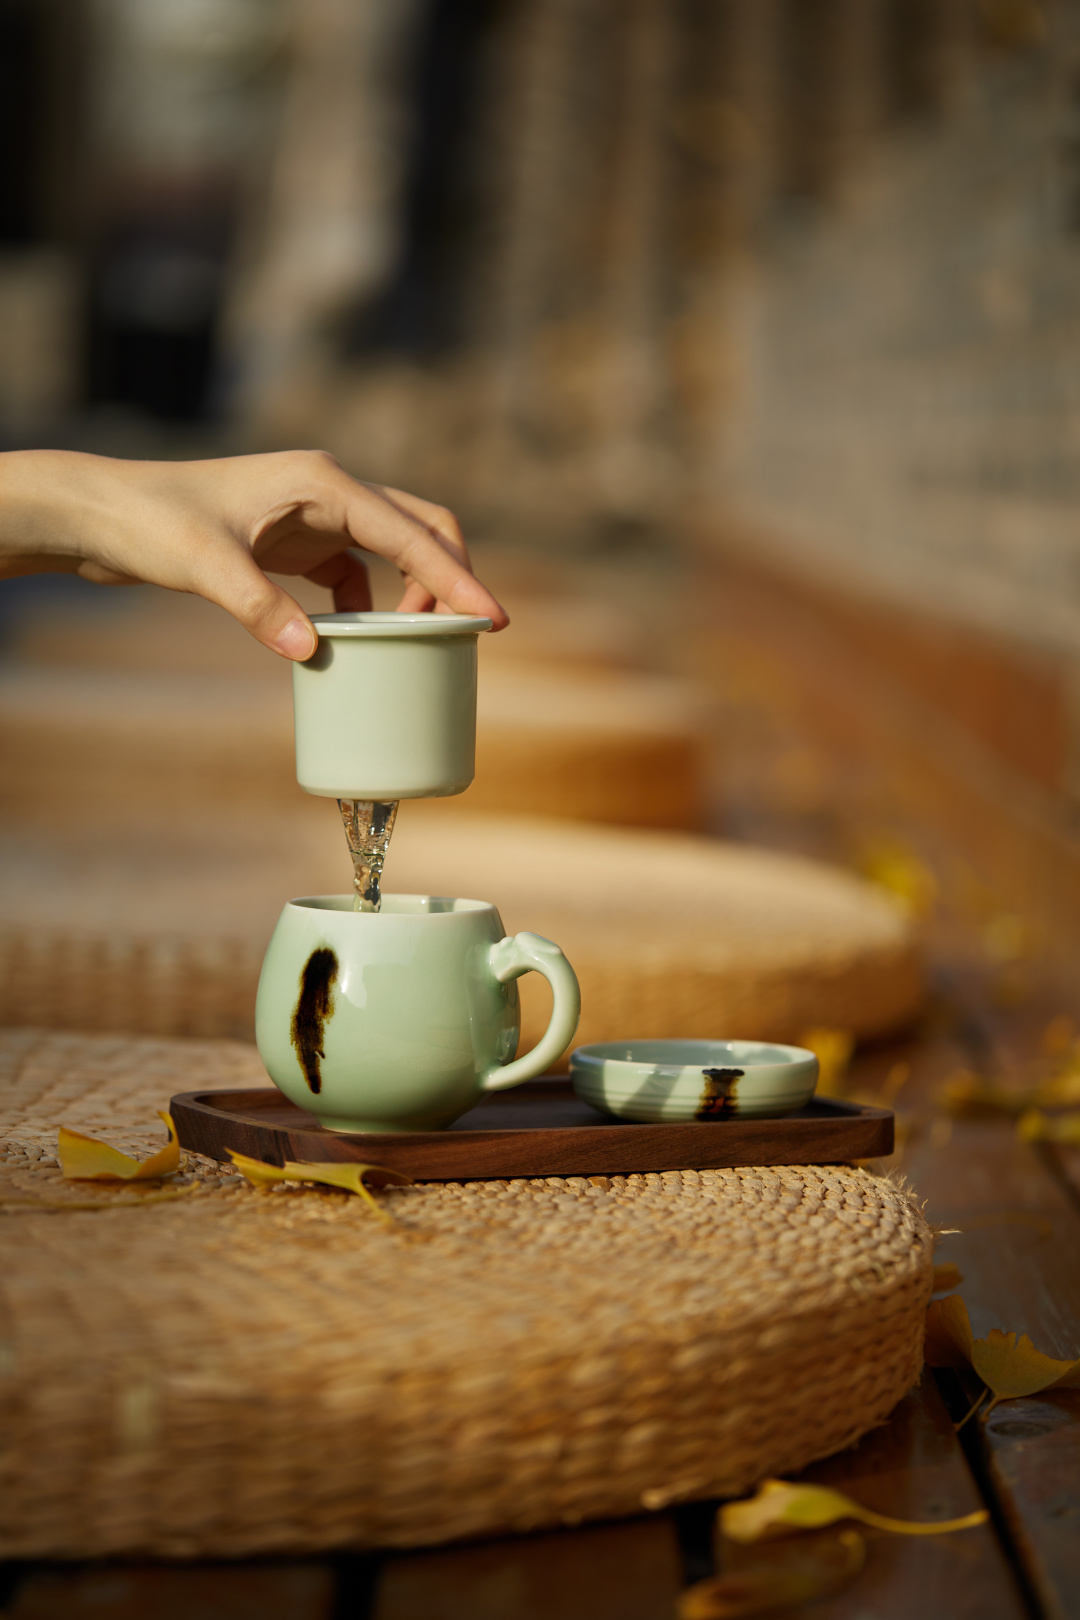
[385, 708]
[401, 1019]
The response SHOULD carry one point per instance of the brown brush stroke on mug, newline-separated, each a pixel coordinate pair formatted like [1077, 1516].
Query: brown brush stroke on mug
[314, 1007]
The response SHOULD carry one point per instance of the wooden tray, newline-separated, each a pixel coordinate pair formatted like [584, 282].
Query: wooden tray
[540, 1128]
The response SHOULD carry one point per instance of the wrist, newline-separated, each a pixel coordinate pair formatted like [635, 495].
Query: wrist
[46, 505]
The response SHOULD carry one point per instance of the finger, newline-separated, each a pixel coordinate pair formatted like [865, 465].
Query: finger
[439, 520]
[235, 582]
[416, 599]
[379, 523]
[347, 576]
[333, 504]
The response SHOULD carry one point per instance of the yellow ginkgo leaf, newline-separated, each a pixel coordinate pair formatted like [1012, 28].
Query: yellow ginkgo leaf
[1035, 1126]
[797, 1574]
[946, 1276]
[84, 1158]
[833, 1049]
[969, 1096]
[349, 1177]
[781, 1506]
[1008, 1363]
[894, 867]
[1062, 1091]
[949, 1338]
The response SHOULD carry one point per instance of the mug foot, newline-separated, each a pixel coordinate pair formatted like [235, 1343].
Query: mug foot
[367, 1127]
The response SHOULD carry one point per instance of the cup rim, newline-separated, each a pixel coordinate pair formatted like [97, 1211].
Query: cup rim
[340, 905]
[392, 625]
[674, 1054]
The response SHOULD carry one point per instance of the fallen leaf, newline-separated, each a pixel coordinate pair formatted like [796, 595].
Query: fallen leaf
[1062, 1091]
[897, 869]
[949, 1340]
[84, 1158]
[1035, 1126]
[969, 1096]
[349, 1177]
[894, 1082]
[1010, 1365]
[946, 1276]
[796, 1574]
[1007, 1363]
[781, 1506]
[833, 1049]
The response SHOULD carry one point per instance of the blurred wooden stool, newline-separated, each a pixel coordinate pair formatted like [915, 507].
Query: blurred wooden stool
[163, 929]
[590, 745]
[607, 746]
[154, 925]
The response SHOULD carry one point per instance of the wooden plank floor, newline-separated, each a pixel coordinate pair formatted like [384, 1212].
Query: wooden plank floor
[1019, 1253]
[1018, 1250]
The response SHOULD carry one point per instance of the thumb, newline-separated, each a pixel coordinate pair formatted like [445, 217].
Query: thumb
[264, 609]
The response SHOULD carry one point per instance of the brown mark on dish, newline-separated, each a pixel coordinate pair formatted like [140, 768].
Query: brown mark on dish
[314, 1007]
[718, 1094]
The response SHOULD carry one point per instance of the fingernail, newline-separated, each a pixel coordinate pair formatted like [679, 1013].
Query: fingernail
[297, 640]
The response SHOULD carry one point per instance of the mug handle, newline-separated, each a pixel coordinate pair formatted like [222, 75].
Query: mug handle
[525, 953]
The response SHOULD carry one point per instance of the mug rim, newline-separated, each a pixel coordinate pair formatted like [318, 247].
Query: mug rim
[386, 626]
[341, 905]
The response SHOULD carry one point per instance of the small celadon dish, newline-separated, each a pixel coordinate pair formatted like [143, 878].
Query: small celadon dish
[664, 1081]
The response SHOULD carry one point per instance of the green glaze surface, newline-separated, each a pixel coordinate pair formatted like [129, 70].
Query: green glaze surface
[399, 1019]
[386, 707]
[666, 1081]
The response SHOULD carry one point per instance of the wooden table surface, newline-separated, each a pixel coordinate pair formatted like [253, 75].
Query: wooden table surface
[1018, 1207]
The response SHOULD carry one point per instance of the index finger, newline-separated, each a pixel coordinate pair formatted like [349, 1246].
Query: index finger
[430, 552]
[439, 521]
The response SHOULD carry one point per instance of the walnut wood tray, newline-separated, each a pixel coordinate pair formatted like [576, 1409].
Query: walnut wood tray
[538, 1129]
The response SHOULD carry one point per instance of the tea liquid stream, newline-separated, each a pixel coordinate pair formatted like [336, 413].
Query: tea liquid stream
[368, 825]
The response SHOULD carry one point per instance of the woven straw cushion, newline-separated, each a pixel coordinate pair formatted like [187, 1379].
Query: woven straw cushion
[604, 746]
[235, 1371]
[611, 747]
[163, 931]
[156, 928]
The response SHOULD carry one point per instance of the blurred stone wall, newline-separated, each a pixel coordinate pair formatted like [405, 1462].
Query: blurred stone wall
[802, 269]
[909, 419]
[670, 202]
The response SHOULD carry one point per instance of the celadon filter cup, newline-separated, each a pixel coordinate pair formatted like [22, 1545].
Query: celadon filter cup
[386, 706]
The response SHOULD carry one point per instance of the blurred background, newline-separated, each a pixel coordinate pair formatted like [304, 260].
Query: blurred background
[741, 334]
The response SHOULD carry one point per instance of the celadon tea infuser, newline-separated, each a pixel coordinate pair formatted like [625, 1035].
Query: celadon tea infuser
[385, 710]
[395, 1012]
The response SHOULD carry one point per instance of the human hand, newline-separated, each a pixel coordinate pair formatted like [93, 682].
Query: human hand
[214, 527]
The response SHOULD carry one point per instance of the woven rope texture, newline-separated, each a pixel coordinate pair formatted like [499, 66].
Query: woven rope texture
[156, 934]
[234, 1371]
